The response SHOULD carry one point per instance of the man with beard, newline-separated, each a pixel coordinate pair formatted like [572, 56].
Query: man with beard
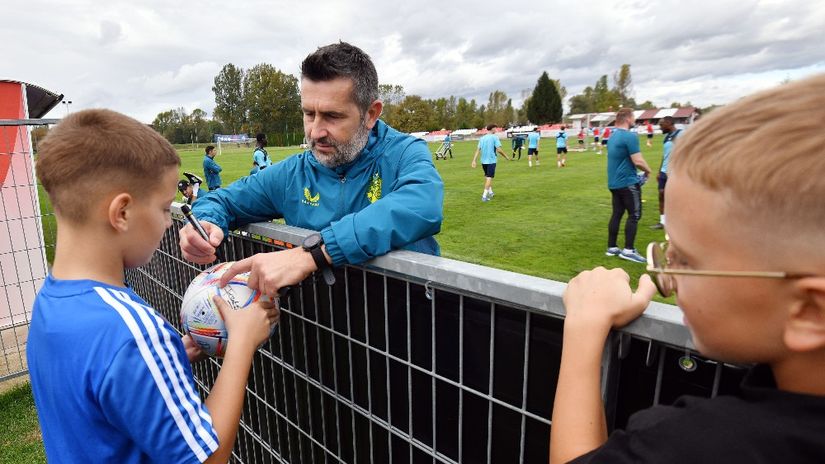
[364, 186]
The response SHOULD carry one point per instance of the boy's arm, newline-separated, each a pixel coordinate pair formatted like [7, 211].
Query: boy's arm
[475, 156]
[500, 152]
[595, 301]
[225, 401]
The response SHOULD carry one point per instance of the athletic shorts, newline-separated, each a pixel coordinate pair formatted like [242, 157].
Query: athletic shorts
[560, 150]
[489, 170]
[604, 141]
[650, 136]
[596, 139]
[662, 180]
[533, 151]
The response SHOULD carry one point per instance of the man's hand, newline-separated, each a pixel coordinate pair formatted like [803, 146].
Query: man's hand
[603, 298]
[197, 250]
[269, 272]
[473, 164]
[193, 351]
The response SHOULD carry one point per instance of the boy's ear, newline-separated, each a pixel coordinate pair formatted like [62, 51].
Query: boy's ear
[120, 211]
[805, 327]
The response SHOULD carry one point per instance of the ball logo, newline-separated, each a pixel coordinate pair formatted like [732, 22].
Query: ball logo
[199, 314]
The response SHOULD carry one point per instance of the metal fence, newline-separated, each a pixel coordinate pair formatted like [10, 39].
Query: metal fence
[26, 236]
[414, 358]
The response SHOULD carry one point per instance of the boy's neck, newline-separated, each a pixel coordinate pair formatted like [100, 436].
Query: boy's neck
[803, 373]
[84, 253]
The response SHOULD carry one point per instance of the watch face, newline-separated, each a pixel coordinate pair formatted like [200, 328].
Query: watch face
[312, 241]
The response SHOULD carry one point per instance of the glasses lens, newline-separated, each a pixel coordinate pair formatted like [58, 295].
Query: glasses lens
[657, 259]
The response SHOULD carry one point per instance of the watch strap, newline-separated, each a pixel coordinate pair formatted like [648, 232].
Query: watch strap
[322, 264]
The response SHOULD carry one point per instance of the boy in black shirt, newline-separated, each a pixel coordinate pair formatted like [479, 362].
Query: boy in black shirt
[746, 259]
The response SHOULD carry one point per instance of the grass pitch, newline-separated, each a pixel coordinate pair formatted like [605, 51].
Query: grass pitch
[543, 221]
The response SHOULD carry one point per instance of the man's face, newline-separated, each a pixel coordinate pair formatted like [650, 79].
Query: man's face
[334, 126]
[666, 126]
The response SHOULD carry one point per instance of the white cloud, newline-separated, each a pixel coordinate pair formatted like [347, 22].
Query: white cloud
[142, 57]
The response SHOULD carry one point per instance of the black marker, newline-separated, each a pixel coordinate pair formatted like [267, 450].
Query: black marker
[187, 211]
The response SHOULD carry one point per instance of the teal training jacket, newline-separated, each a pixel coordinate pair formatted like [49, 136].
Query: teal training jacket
[390, 197]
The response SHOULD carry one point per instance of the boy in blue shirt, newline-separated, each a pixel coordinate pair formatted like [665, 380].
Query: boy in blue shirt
[488, 146]
[110, 377]
[749, 275]
[211, 169]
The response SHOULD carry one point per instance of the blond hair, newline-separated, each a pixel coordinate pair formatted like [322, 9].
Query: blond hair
[765, 152]
[624, 115]
[92, 153]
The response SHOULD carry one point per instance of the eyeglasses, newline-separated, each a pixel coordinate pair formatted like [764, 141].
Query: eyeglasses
[657, 263]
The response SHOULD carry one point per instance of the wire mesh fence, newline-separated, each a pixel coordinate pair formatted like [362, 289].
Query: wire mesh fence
[26, 233]
[422, 359]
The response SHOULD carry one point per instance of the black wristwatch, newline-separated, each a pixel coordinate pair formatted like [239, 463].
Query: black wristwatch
[312, 244]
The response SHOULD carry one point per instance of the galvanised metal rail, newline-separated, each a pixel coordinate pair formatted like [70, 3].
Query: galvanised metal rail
[413, 358]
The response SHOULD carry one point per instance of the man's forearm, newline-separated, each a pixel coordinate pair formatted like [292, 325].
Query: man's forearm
[579, 424]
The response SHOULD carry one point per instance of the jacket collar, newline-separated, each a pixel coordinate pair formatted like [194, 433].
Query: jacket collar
[375, 147]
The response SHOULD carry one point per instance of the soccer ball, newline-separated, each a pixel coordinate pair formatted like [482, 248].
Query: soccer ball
[199, 314]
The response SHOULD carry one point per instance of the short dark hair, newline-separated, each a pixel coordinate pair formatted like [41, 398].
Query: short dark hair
[260, 137]
[668, 119]
[491, 127]
[209, 148]
[344, 60]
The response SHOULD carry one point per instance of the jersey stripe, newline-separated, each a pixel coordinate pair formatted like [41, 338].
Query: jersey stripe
[165, 351]
[146, 353]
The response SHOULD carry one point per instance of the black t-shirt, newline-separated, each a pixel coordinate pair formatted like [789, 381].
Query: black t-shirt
[761, 425]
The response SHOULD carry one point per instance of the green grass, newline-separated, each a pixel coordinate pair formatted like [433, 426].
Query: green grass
[544, 221]
[19, 432]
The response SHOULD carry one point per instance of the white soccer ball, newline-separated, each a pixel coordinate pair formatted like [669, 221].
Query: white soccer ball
[199, 315]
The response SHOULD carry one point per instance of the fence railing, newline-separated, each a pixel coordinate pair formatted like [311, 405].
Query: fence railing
[414, 358]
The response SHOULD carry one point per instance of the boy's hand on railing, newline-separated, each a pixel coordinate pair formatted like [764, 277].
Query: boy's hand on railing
[269, 272]
[603, 298]
[197, 250]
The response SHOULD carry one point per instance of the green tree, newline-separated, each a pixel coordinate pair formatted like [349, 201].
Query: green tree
[585, 102]
[272, 100]
[604, 98]
[414, 114]
[623, 83]
[392, 96]
[465, 114]
[497, 108]
[229, 97]
[647, 105]
[545, 102]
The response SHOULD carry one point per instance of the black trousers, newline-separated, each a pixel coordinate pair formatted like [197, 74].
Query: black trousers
[625, 199]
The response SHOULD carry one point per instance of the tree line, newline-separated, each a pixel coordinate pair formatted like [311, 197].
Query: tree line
[265, 99]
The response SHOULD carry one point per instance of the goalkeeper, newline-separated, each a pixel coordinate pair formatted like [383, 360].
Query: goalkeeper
[190, 188]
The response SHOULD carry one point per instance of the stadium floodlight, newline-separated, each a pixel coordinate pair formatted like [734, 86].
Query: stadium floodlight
[67, 103]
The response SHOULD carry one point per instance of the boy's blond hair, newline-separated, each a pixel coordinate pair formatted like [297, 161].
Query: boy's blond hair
[93, 153]
[765, 152]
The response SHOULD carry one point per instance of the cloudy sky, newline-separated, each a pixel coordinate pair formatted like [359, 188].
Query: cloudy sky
[142, 57]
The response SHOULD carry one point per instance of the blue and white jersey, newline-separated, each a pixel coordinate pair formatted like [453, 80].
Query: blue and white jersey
[533, 139]
[111, 379]
[561, 139]
[487, 145]
[260, 160]
[669, 140]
